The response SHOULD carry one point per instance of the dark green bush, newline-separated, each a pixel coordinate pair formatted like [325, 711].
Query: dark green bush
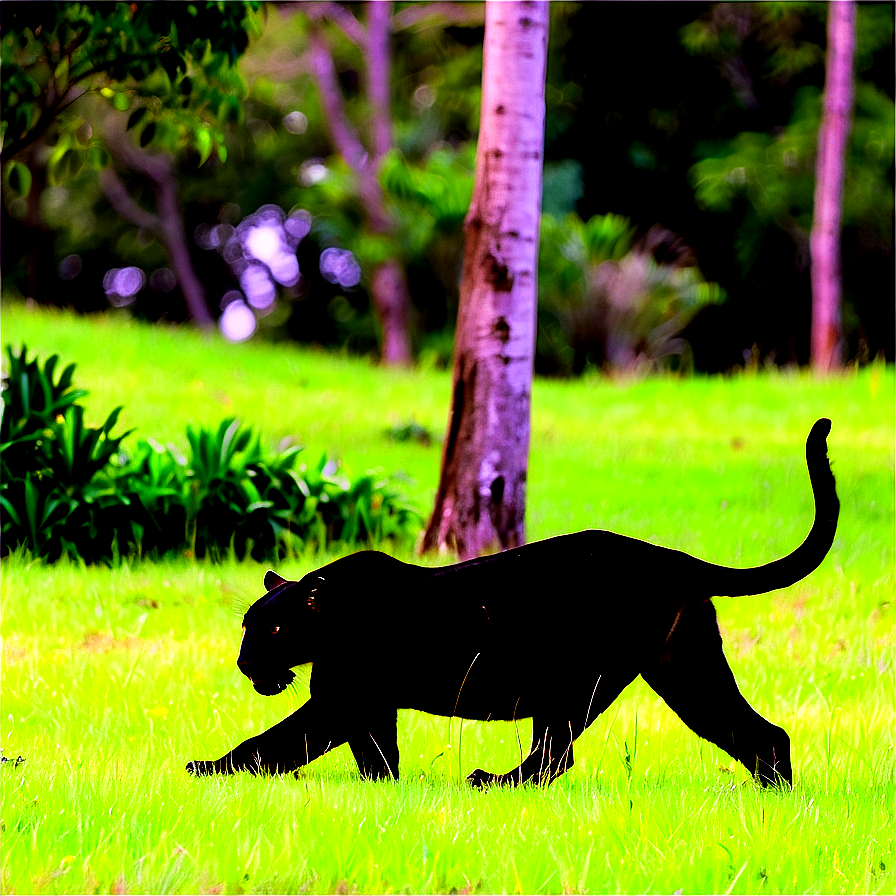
[69, 489]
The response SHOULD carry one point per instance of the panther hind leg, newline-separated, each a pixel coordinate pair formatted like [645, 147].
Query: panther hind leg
[694, 678]
[550, 755]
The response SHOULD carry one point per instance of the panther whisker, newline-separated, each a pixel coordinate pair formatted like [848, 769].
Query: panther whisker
[392, 774]
[591, 701]
[457, 700]
[293, 690]
[239, 605]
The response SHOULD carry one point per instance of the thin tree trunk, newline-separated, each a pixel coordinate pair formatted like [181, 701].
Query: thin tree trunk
[388, 282]
[388, 286]
[481, 501]
[830, 171]
[174, 238]
[389, 291]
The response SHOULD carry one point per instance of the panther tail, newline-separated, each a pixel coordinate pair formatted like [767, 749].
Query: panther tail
[729, 582]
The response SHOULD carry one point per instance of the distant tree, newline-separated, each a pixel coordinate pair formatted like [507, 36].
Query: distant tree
[169, 65]
[830, 173]
[388, 284]
[158, 170]
[481, 500]
[364, 146]
[757, 172]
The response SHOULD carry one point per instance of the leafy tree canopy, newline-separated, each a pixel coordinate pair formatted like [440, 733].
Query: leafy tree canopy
[174, 60]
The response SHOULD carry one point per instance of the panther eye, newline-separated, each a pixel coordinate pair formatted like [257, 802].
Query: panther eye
[275, 629]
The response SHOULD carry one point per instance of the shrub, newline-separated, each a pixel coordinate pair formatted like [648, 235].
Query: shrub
[608, 300]
[69, 489]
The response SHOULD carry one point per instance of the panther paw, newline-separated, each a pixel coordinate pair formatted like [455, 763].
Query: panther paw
[201, 767]
[480, 779]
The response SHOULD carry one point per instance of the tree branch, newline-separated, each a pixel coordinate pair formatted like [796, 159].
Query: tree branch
[339, 16]
[421, 14]
[156, 166]
[168, 223]
[123, 203]
[378, 71]
[345, 139]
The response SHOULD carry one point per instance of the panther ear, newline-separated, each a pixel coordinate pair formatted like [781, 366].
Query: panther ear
[272, 580]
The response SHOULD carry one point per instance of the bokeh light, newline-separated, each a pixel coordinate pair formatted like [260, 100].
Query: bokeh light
[298, 224]
[261, 253]
[70, 267]
[340, 267]
[296, 122]
[312, 172]
[232, 295]
[256, 283]
[237, 323]
[121, 285]
[162, 280]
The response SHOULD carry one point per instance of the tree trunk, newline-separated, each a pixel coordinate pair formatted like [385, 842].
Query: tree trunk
[167, 224]
[392, 300]
[389, 291]
[174, 239]
[833, 134]
[481, 501]
[388, 283]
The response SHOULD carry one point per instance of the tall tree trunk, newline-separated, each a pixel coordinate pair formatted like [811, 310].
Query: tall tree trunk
[481, 502]
[830, 170]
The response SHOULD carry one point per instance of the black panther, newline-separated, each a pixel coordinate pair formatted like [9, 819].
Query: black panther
[553, 631]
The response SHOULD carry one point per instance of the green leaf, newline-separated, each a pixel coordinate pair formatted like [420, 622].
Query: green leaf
[18, 179]
[98, 157]
[203, 144]
[136, 117]
[10, 511]
[147, 134]
[68, 165]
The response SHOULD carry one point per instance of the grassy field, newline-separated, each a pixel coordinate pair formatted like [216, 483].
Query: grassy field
[113, 678]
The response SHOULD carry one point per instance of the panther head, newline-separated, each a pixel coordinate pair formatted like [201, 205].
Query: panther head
[278, 632]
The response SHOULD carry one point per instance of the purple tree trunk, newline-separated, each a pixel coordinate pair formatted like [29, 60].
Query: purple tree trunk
[388, 284]
[830, 170]
[481, 502]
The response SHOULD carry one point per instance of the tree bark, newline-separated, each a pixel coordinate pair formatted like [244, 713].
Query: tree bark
[830, 170]
[481, 501]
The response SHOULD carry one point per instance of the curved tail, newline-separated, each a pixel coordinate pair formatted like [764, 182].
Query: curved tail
[728, 582]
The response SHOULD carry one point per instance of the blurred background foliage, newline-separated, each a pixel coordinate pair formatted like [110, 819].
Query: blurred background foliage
[678, 180]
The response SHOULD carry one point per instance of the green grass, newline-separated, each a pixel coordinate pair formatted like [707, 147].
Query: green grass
[113, 678]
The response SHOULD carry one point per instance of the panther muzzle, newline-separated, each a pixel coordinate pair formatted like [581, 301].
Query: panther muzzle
[271, 683]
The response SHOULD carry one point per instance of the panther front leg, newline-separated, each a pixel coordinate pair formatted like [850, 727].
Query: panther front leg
[300, 738]
[550, 756]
